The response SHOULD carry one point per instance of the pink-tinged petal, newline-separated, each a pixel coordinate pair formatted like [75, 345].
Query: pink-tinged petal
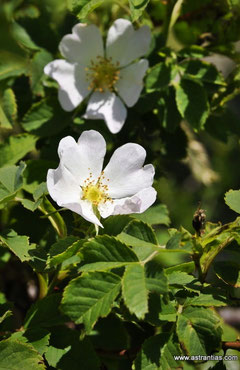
[109, 107]
[126, 173]
[130, 83]
[83, 44]
[124, 44]
[84, 158]
[73, 86]
[138, 203]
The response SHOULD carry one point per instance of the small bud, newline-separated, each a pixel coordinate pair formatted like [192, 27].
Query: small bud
[198, 222]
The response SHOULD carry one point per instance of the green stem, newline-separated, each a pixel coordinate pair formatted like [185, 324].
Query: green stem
[149, 258]
[43, 284]
[56, 219]
[124, 7]
[175, 13]
[54, 280]
[96, 229]
[52, 213]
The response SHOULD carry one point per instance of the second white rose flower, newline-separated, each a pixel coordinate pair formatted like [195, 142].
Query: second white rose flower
[111, 77]
[81, 185]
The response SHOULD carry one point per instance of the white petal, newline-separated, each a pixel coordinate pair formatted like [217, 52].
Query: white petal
[125, 172]
[67, 193]
[72, 82]
[130, 84]
[62, 186]
[83, 45]
[138, 203]
[124, 44]
[84, 157]
[109, 107]
[84, 209]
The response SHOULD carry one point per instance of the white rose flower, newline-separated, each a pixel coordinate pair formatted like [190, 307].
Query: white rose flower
[110, 76]
[80, 184]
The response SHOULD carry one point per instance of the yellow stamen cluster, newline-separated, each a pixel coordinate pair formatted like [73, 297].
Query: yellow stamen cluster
[95, 191]
[102, 74]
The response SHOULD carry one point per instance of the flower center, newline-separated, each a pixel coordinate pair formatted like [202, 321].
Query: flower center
[102, 74]
[95, 192]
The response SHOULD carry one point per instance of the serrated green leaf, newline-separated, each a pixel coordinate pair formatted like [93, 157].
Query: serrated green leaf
[208, 297]
[193, 51]
[54, 355]
[215, 241]
[12, 64]
[45, 313]
[15, 148]
[156, 215]
[83, 7]
[187, 267]
[30, 205]
[11, 177]
[168, 311]
[37, 337]
[158, 353]
[169, 350]
[203, 71]
[158, 77]
[36, 173]
[157, 285]
[230, 334]
[39, 61]
[13, 59]
[141, 237]
[10, 181]
[105, 252]
[110, 333]
[156, 279]
[15, 355]
[232, 199]
[22, 37]
[229, 272]
[234, 355]
[9, 104]
[40, 191]
[38, 194]
[199, 330]
[149, 356]
[18, 244]
[62, 250]
[29, 11]
[76, 5]
[80, 356]
[141, 231]
[114, 225]
[192, 102]
[90, 296]
[134, 290]
[45, 118]
[4, 121]
[179, 278]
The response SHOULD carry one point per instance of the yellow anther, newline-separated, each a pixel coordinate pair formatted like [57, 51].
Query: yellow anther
[102, 74]
[95, 191]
